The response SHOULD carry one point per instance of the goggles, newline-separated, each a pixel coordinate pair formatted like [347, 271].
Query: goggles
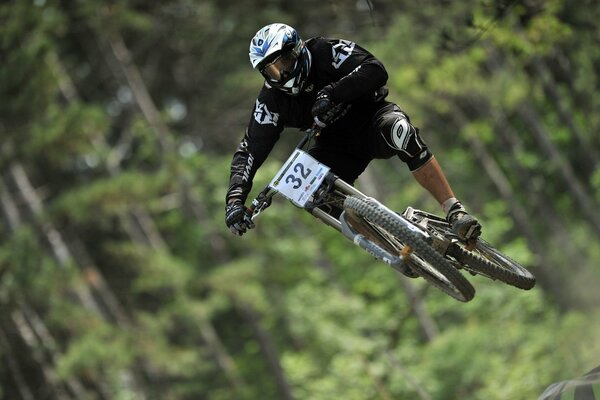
[280, 69]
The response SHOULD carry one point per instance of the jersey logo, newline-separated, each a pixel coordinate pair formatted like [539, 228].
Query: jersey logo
[341, 52]
[263, 116]
[401, 133]
[248, 168]
[406, 139]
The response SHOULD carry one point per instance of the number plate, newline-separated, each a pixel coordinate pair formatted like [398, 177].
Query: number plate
[299, 177]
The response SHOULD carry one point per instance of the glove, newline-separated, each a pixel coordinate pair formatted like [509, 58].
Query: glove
[324, 110]
[238, 218]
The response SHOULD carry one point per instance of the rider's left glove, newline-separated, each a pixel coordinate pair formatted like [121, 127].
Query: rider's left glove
[324, 110]
[238, 218]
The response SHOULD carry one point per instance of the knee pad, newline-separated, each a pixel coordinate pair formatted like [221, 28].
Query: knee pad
[401, 136]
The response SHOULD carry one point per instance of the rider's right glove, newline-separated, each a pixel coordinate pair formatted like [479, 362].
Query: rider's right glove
[238, 218]
[324, 110]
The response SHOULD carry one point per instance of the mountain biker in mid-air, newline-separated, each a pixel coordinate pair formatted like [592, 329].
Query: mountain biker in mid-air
[339, 86]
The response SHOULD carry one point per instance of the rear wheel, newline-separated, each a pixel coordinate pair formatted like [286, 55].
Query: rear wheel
[392, 232]
[485, 260]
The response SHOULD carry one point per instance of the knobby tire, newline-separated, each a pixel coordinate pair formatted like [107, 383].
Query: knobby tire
[489, 262]
[455, 284]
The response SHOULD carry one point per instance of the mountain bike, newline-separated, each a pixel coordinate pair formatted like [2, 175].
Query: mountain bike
[415, 242]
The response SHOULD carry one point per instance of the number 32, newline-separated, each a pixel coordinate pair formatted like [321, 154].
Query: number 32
[304, 172]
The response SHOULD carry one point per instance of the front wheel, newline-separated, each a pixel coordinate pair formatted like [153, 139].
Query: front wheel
[423, 260]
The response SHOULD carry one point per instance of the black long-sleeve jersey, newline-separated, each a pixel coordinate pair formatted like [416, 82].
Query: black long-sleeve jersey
[356, 77]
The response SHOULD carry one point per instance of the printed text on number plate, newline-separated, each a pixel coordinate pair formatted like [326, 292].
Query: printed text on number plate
[299, 177]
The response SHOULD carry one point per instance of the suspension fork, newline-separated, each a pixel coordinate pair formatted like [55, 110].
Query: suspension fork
[333, 182]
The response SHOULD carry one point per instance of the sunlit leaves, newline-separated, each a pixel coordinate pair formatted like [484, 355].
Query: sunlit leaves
[66, 136]
[98, 350]
[110, 197]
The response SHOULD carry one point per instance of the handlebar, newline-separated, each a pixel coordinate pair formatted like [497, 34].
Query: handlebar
[314, 131]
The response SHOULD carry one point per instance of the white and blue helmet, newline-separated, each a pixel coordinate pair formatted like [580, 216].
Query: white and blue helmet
[281, 57]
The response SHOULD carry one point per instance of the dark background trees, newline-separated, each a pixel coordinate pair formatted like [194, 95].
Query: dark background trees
[118, 278]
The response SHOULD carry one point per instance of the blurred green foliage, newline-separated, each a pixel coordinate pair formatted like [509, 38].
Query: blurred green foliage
[119, 279]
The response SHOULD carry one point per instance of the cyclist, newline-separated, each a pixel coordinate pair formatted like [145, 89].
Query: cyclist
[339, 86]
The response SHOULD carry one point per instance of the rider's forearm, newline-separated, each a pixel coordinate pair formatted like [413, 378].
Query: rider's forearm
[238, 189]
[432, 178]
[364, 80]
[233, 200]
[241, 174]
[248, 157]
[259, 138]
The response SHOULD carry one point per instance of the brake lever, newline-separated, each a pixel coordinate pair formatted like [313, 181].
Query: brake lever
[260, 204]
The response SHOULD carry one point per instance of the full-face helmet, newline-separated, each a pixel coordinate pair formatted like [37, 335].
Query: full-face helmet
[281, 57]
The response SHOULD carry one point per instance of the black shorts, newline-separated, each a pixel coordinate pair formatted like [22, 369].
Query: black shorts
[348, 149]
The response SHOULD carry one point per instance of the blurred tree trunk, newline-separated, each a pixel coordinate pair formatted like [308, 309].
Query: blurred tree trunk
[143, 99]
[585, 202]
[60, 251]
[143, 219]
[426, 323]
[43, 349]
[13, 361]
[528, 183]
[542, 73]
[415, 299]
[421, 391]
[268, 348]
[379, 386]
[64, 256]
[138, 223]
[547, 278]
[32, 331]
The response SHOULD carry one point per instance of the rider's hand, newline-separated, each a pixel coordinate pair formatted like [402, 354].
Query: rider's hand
[238, 218]
[324, 110]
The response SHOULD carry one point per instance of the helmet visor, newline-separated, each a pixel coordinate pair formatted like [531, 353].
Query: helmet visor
[282, 68]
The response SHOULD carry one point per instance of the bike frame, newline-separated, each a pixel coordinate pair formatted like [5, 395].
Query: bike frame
[333, 189]
[331, 184]
[390, 243]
